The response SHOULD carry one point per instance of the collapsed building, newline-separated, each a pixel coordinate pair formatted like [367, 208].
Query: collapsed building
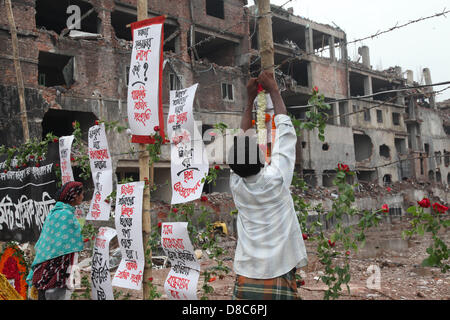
[81, 75]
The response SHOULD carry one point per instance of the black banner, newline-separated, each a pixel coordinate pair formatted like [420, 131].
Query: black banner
[26, 197]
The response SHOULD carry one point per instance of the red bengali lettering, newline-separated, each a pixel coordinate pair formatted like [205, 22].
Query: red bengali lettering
[170, 243]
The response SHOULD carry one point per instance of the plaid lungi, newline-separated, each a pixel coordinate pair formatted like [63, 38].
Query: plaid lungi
[281, 288]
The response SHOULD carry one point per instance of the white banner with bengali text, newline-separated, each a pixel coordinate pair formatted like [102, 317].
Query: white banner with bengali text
[189, 161]
[102, 173]
[100, 276]
[181, 282]
[65, 151]
[128, 221]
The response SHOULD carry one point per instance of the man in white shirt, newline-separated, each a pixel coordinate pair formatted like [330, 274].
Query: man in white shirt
[270, 244]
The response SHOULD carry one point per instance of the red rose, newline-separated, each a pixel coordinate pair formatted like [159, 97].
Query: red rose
[388, 189]
[343, 167]
[305, 236]
[315, 89]
[37, 165]
[107, 200]
[24, 165]
[212, 279]
[156, 128]
[31, 156]
[150, 279]
[57, 165]
[424, 203]
[347, 253]
[5, 171]
[204, 198]
[439, 208]
[96, 122]
[385, 208]
[217, 167]
[331, 243]
[159, 224]
[175, 210]
[74, 124]
[55, 140]
[85, 239]
[260, 88]
[39, 158]
[72, 159]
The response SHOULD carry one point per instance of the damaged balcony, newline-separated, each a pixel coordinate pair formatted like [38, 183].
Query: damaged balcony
[223, 50]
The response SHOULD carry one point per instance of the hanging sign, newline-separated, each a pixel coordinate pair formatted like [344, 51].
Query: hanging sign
[128, 222]
[101, 279]
[189, 162]
[181, 282]
[144, 101]
[65, 149]
[101, 168]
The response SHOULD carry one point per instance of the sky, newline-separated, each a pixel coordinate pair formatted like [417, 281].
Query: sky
[425, 44]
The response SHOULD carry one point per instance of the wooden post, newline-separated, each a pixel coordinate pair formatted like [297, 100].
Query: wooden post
[144, 170]
[20, 86]
[265, 39]
[265, 36]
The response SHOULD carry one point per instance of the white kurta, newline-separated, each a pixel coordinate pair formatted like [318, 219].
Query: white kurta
[270, 241]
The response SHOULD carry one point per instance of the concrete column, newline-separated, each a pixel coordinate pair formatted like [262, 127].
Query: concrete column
[309, 39]
[332, 49]
[337, 119]
[409, 76]
[427, 76]
[343, 47]
[365, 54]
[368, 86]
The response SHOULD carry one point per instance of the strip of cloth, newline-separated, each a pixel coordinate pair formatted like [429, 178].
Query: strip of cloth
[280, 288]
[53, 273]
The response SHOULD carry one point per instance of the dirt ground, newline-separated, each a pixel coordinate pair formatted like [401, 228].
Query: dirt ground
[397, 261]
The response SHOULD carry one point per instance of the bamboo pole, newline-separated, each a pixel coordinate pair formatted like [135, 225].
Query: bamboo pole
[19, 77]
[265, 36]
[144, 171]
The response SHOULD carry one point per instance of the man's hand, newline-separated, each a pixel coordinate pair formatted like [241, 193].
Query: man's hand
[267, 81]
[252, 90]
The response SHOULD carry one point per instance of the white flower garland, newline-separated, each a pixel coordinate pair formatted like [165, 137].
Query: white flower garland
[261, 118]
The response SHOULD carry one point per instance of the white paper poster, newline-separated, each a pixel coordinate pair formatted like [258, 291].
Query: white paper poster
[128, 223]
[144, 103]
[65, 150]
[100, 276]
[181, 282]
[101, 168]
[189, 162]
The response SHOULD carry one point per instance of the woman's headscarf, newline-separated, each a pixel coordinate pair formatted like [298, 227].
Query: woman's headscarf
[69, 191]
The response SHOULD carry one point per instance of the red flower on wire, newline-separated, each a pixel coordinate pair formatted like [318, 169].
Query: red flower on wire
[385, 208]
[343, 167]
[424, 203]
[439, 208]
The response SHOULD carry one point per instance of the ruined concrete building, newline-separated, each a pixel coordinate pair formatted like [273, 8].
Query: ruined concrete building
[82, 75]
